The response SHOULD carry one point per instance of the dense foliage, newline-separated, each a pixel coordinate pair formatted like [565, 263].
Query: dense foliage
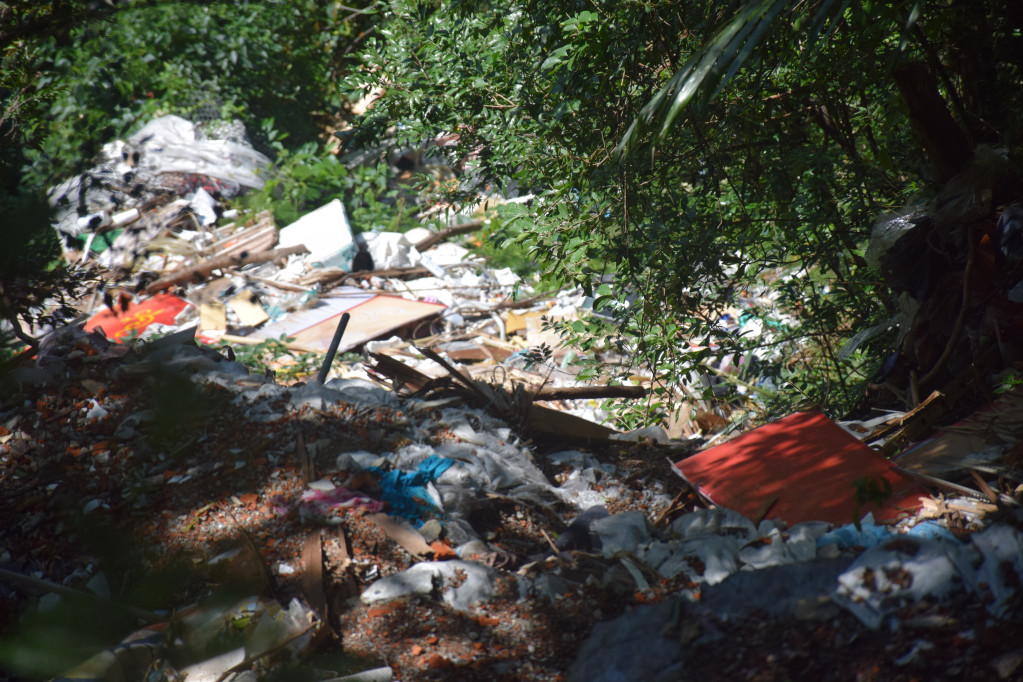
[76, 75]
[689, 160]
[764, 194]
[69, 92]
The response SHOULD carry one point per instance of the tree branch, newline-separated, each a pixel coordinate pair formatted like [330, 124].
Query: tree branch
[203, 270]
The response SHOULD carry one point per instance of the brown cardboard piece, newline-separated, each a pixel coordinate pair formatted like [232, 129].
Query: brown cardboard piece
[403, 533]
[249, 312]
[212, 316]
[372, 316]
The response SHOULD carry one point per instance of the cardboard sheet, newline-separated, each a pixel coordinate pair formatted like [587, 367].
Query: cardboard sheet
[340, 301]
[373, 316]
[377, 317]
[212, 317]
[249, 312]
[809, 464]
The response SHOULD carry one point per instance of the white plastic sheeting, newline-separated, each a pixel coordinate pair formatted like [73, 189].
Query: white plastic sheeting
[170, 144]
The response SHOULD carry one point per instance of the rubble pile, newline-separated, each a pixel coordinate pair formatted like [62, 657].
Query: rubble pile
[150, 220]
[447, 506]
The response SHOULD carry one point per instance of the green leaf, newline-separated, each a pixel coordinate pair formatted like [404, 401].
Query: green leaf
[555, 57]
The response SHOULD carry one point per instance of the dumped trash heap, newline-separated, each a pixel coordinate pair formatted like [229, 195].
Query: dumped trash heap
[446, 505]
[429, 537]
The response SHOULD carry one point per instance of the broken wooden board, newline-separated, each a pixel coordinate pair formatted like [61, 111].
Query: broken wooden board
[233, 239]
[984, 437]
[373, 316]
[809, 463]
[543, 420]
[469, 351]
[377, 317]
[564, 426]
[922, 420]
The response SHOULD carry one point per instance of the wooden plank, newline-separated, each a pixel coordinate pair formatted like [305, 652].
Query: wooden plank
[402, 533]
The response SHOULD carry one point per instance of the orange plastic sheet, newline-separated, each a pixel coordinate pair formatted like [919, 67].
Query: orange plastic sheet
[801, 468]
[162, 308]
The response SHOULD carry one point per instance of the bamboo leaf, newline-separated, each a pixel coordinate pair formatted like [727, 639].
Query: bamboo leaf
[712, 67]
[760, 29]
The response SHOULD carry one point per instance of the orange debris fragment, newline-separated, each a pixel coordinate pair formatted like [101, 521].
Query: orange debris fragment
[442, 550]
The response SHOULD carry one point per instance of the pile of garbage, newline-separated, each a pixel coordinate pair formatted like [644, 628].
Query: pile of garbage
[448, 505]
[426, 537]
[150, 219]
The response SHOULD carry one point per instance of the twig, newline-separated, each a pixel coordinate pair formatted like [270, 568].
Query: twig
[389, 273]
[141, 614]
[587, 392]
[955, 487]
[23, 336]
[663, 516]
[286, 286]
[957, 330]
[249, 660]
[455, 375]
[447, 233]
[16, 360]
[764, 509]
[550, 542]
[678, 472]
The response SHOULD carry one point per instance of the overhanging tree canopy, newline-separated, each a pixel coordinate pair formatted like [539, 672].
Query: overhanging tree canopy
[777, 145]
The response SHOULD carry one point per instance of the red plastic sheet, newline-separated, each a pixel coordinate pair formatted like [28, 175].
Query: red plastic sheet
[162, 308]
[800, 468]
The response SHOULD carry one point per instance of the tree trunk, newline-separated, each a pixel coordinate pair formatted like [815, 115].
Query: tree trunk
[944, 141]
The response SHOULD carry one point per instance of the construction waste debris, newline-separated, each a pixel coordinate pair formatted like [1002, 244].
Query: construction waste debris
[447, 503]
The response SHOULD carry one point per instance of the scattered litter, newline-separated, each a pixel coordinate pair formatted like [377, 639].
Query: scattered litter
[432, 481]
[901, 573]
[460, 584]
[406, 494]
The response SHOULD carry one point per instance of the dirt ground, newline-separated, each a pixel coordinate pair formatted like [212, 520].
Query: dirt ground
[203, 501]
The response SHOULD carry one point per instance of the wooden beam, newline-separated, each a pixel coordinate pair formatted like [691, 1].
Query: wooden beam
[202, 270]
